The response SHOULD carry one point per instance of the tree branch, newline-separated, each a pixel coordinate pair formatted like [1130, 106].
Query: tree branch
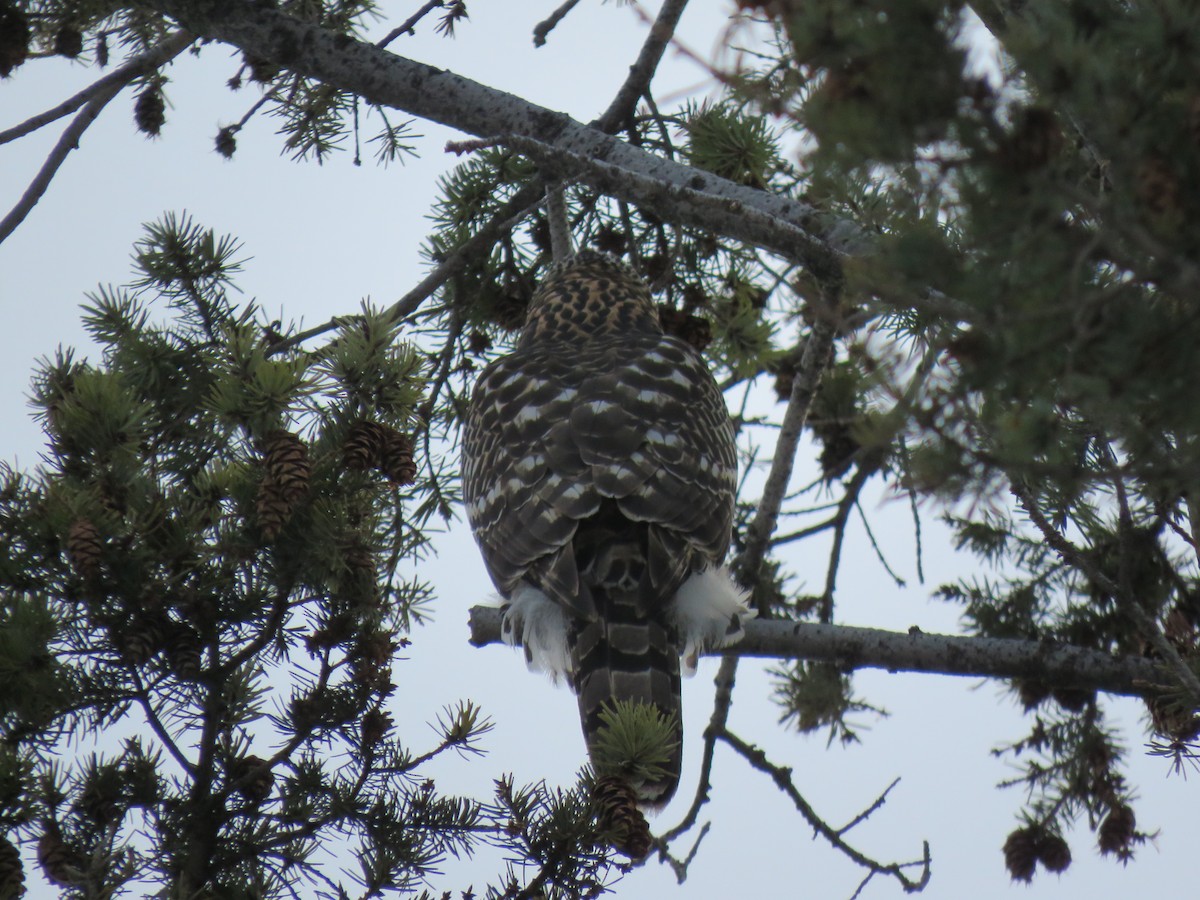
[1073, 556]
[441, 96]
[548, 24]
[818, 349]
[121, 76]
[521, 204]
[684, 204]
[1063, 665]
[643, 69]
[97, 98]
[783, 779]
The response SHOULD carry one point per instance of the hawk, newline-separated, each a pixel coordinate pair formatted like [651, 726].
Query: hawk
[599, 473]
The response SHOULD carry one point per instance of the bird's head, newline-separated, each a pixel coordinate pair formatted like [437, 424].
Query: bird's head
[589, 295]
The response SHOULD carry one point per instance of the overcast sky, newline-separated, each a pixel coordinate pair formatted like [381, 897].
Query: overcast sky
[320, 239]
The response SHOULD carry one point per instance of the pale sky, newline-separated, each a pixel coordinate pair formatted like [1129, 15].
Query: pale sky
[322, 238]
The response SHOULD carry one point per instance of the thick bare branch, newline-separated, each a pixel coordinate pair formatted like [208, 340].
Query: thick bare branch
[441, 96]
[1061, 665]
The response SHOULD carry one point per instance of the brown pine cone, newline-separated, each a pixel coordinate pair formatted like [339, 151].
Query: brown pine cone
[58, 861]
[363, 446]
[84, 547]
[618, 818]
[1157, 187]
[1054, 853]
[14, 38]
[1117, 831]
[286, 460]
[149, 110]
[375, 725]
[12, 874]
[1021, 853]
[185, 656]
[272, 508]
[694, 330]
[261, 780]
[397, 458]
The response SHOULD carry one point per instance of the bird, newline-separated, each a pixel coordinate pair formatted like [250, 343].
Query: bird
[599, 470]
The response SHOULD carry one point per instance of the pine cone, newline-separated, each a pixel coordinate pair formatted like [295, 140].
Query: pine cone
[1158, 187]
[509, 311]
[84, 547]
[370, 661]
[184, 655]
[272, 508]
[375, 725]
[68, 42]
[286, 460]
[610, 239]
[359, 558]
[396, 460]
[12, 874]
[1117, 831]
[1035, 141]
[1021, 853]
[138, 645]
[785, 378]
[100, 799]
[260, 784]
[14, 38]
[478, 342]
[363, 447]
[56, 859]
[1054, 853]
[690, 329]
[261, 70]
[618, 818]
[226, 142]
[149, 110]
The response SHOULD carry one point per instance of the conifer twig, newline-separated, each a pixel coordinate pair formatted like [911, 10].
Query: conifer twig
[642, 71]
[151, 59]
[549, 23]
[97, 97]
[1072, 555]
[783, 779]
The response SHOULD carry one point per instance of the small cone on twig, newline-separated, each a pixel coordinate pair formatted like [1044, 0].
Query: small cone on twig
[12, 874]
[56, 859]
[363, 446]
[1021, 854]
[84, 547]
[286, 460]
[618, 817]
[397, 458]
[272, 509]
[261, 779]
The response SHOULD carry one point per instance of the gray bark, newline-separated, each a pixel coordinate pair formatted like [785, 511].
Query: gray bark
[1055, 665]
[792, 228]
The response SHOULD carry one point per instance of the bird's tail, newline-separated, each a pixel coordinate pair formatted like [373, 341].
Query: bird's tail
[627, 653]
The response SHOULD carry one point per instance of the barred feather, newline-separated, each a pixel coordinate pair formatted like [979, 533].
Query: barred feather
[598, 470]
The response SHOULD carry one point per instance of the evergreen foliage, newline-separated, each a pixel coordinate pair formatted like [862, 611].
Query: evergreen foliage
[197, 567]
